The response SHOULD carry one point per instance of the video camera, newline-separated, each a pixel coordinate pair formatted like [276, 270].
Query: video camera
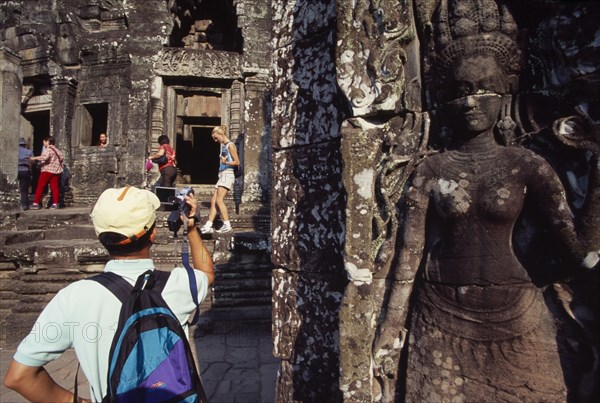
[180, 208]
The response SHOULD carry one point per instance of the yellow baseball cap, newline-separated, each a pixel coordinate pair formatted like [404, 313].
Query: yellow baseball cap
[128, 211]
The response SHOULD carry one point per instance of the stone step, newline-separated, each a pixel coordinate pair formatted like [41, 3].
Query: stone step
[21, 237]
[76, 231]
[56, 254]
[42, 251]
[48, 218]
[224, 317]
[258, 265]
[242, 285]
[246, 301]
[243, 275]
[242, 296]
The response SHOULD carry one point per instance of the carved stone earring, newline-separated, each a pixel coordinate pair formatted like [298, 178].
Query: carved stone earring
[506, 126]
[445, 137]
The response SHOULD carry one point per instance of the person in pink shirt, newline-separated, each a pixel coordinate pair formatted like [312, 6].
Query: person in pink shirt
[51, 169]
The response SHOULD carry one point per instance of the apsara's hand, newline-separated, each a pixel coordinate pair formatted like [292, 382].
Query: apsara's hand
[578, 131]
[386, 350]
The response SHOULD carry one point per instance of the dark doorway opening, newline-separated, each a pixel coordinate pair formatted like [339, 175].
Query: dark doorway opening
[205, 168]
[40, 124]
[198, 157]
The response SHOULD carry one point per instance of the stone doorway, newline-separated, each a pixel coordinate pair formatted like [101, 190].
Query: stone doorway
[197, 154]
[192, 113]
[35, 126]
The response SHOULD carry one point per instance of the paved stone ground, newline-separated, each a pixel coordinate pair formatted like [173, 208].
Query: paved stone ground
[235, 358]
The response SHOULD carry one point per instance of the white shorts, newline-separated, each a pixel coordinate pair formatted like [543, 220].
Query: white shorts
[226, 179]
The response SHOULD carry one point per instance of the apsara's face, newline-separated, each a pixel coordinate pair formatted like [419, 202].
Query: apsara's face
[475, 93]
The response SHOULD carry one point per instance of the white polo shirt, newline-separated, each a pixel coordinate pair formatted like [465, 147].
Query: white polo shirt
[84, 315]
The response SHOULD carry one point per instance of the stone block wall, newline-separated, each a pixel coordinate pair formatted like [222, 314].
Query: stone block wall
[308, 205]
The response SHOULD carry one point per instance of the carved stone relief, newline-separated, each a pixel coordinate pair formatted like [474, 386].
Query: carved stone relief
[184, 62]
[383, 240]
[373, 48]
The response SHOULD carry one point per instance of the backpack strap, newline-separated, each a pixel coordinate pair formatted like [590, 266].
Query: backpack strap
[160, 280]
[115, 284]
[185, 259]
[121, 287]
[193, 286]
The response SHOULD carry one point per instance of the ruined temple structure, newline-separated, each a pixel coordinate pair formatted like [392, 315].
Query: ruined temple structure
[355, 121]
[75, 69]
[136, 70]
[469, 279]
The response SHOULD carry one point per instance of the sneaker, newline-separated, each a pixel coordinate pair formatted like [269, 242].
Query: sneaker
[35, 206]
[224, 228]
[206, 230]
[54, 206]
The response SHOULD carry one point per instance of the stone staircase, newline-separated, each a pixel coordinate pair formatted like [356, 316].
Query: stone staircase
[44, 250]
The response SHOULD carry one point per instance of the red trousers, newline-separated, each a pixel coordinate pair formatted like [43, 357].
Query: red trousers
[43, 180]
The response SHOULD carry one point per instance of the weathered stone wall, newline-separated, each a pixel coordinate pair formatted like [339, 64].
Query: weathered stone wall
[10, 97]
[334, 117]
[384, 69]
[76, 54]
[65, 58]
[308, 206]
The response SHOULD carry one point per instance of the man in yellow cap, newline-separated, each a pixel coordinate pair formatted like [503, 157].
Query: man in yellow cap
[84, 315]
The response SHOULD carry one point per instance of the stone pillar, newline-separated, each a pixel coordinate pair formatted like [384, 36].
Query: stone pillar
[157, 112]
[10, 118]
[257, 142]
[236, 108]
[64, 91]
[308, 202]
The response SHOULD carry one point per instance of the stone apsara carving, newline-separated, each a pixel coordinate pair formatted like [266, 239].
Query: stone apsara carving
[478, 328]
[470, 57]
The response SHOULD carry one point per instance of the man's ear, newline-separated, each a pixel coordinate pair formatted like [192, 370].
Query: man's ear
[153, 234]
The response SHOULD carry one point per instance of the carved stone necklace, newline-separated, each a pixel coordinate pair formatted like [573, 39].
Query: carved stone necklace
[476, 157]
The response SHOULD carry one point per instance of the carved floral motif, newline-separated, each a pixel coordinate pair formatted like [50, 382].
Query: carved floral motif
[211, 64]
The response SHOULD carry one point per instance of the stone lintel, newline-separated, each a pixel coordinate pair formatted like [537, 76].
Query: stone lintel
[198, 62]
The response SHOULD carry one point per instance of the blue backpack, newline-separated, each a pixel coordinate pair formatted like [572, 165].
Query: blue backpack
[150, 358]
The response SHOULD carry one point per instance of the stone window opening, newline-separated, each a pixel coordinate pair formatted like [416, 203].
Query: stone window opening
[206, 25]
[93, 122]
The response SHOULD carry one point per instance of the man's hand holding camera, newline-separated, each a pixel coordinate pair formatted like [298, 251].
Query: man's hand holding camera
[184, 207]
[192, 217]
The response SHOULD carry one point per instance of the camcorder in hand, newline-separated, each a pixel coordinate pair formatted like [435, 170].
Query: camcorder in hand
[179, 207]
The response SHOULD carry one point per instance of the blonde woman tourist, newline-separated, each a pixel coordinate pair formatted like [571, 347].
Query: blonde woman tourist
[229, 159]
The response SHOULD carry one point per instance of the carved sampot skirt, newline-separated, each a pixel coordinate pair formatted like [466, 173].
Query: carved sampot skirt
[472, 343]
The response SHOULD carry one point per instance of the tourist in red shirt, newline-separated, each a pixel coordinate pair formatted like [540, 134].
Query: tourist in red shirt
[168, 170]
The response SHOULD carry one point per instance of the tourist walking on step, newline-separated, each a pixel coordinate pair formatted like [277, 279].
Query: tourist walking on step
[51, 169]
[165, 157]
[229, 159]
[125, 221]
[24, 173]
